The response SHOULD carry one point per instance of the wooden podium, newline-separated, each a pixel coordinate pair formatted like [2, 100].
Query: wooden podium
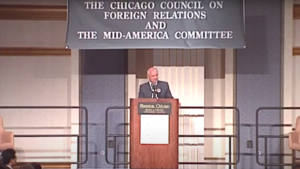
[150, 146]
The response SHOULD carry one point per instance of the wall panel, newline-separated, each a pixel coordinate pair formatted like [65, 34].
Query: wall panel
[291, 67]
[32, 74]
[287, 71]
[258, 79]
[39, 81]
[103, 85]
[296, 33]
[33, 51]
[34, 2]
[16, 33]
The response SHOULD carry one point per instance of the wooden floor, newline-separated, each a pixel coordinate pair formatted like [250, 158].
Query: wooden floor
[49, 166]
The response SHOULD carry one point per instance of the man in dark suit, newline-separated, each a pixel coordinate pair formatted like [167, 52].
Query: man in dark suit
[154, 88]
[9, 158]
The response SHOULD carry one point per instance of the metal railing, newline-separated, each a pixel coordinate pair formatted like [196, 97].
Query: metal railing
[114, 136]
[230, 163]
[59, 135]
[265, 137]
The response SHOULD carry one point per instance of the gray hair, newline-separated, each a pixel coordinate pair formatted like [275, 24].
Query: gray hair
[151, 68]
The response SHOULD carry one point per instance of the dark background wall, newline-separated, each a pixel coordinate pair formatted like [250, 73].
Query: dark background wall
[258, 78]
[103, 85]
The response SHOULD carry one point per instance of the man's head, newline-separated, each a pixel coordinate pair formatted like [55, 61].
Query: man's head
[152, 75]
[9, 157]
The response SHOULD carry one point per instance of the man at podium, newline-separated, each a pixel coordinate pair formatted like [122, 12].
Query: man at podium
[154, 88]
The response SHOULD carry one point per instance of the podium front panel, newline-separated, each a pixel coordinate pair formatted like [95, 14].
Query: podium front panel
[159, 153]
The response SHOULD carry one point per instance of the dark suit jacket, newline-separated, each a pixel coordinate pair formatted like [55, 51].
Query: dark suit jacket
[146, 92]
[4, 167]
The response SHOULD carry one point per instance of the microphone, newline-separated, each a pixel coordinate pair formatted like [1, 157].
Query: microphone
[154, 91]
[154, 87]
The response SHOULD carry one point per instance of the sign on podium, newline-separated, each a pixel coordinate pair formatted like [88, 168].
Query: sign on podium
[154, 122]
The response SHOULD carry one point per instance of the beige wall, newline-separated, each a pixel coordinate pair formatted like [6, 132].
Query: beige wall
[39, 81]
[290, 75]
[197, 77]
